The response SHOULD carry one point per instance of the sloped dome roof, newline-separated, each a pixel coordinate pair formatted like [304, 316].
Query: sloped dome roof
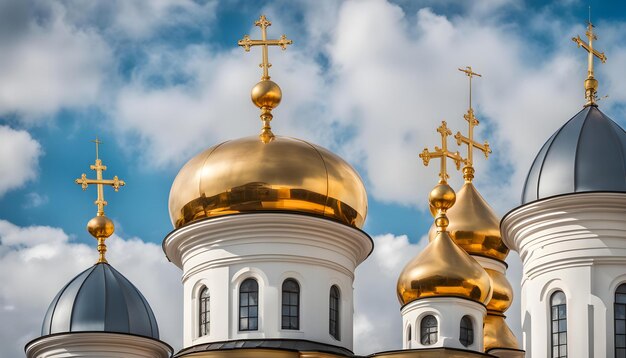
[287, 174]
[100, 299]
[586, 154]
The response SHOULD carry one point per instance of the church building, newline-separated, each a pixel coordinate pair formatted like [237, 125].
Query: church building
[268, 234]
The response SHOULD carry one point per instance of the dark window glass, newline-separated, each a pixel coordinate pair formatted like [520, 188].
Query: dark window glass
[428, 330]
[467, 331]
[205, 312]
[291, 305]
[334, 313]
[619, 311]
[558, 319]
[249, 305]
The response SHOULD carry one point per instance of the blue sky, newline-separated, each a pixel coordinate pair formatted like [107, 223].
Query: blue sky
[65, 133]
[159, 81]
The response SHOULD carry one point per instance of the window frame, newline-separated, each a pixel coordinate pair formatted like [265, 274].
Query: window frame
[468, 330]
[558, 320]
[334, 321]
[426, 332]
[620, 295]
[204, 309]
[252, 292]
[290, 306]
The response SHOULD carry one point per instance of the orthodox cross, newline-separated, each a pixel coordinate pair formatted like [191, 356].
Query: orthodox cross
[591, 84]
[98, 167]
[468, 169]
[247, 43]
[442, 153]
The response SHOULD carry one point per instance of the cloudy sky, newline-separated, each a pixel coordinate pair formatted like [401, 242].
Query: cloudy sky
[160, 80]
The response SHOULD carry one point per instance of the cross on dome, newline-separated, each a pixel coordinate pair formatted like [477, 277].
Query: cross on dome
[266, 94]
[442, 153]
[468, 169]
[247, 43]
[100, 226]
[591, 84]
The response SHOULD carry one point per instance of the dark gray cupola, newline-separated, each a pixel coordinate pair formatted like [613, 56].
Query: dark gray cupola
[587, 154]
[100, 299]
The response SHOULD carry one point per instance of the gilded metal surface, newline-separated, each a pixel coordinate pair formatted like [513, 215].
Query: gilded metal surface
[100, 228]
[474, 226]
[266, 94]
[442, 153]
[443, 269]
[287, 174]
[468, 169]
[502, 296]
[591, 84]
[497, 333]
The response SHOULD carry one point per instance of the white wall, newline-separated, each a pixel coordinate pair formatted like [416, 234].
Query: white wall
[222, 252]
[576, 244]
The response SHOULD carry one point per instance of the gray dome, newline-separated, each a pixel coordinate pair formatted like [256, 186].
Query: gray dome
[586, 154]
[100, 299]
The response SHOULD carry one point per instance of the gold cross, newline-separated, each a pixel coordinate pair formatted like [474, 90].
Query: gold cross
[591, 84]
[442, 153]
[98, 167]
[468, 169]
[246, 43]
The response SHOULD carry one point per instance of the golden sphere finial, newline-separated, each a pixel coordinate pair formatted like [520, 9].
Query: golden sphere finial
[266, 94]
[442, 197]
[100, 227]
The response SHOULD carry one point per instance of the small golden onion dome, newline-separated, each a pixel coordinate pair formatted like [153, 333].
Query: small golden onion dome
[474, 226]
[286, 174]
[497, 334]
[502, 296]
[443, 269]
[100, 227]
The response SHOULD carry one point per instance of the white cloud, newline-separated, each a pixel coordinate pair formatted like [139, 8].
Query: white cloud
[52, 65]
[377, 320]
[19, 158]
[37, 261]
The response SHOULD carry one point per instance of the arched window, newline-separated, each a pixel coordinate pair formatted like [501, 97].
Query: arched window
[467, 331]
[620, 321]
[205, 312]
[249, 305]
[559, 324]
[334, 312]
[428, 330]
[291, 304]
[408, 334]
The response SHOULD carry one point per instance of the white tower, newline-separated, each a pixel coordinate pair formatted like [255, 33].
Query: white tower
[99, 313]
[571, 235]
[443, 291]
[268, 237]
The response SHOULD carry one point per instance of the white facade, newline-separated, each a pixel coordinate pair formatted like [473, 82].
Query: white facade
[576, 244]
[222, 252]
[105, 344]
[448, 311]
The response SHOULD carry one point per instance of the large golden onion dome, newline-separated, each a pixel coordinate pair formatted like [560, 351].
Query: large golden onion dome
[474, 226]
[285, 174]
[443, 268]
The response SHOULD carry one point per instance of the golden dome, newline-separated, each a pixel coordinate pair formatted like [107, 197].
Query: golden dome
[474, 226]
[502, 296]
[497, 334]
[286, 174]
[443, 269]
